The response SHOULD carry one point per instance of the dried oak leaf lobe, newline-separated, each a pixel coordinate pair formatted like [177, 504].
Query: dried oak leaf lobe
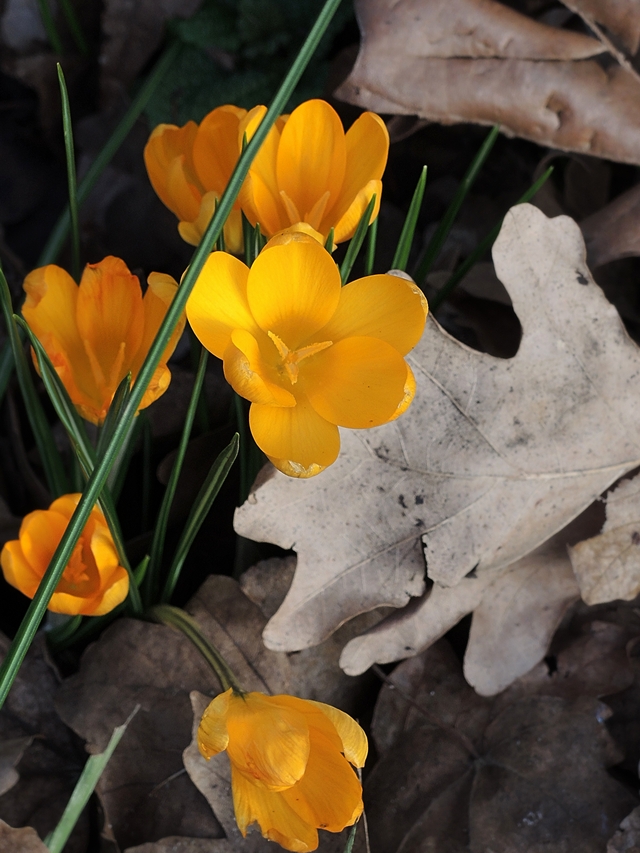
[419, 57]
[493, 457]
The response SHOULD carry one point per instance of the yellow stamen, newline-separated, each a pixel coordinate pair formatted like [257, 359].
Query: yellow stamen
[292, 358]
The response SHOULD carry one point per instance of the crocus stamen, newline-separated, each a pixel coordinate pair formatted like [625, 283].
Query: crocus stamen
[292, 358]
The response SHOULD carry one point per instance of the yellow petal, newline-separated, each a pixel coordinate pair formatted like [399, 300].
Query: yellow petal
[40, 533]
[17, 570]
[379, 306]
[367, 144]
[298, 441]
[115, 592]
[293, 290]
[218, 303]
[216, 147]
[354, 741]
[157, 299]
[277, 820]
[329, 795]
[260, 194]
[213, 735]
[312, 156]
[268, 742]
[192, 232]
[298, 228]
[409, 394]
[357, 383]
[246, 372]
[262, 206]
[345, 226]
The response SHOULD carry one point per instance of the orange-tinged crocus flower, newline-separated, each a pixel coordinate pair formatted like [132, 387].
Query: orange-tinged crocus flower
[98, 332]
[93, 582]
[189, 168]
[290, 760]
[308, 170]
[309, 354]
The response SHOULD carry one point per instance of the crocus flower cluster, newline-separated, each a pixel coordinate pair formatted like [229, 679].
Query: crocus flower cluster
[98, 332]
[93, 582]
[290, 760]
[309, 354]
[307, 173]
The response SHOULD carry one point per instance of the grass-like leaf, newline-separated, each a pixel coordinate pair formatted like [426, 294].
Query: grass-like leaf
[370, 254]
[74, 26]
[71, 176]
[401, 256]
[50, 26]
[356, 241]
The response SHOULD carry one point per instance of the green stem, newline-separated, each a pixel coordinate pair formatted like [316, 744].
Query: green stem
[174, 617]
[29, 625]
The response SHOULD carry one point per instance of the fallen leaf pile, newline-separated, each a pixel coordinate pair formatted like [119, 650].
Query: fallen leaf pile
[485, 62]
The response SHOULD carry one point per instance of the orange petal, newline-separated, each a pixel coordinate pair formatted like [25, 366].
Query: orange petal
[157, 299]
[277, 820]
[379, 306]
[248, 375]
[218, 303]
[409, 394]
[354, 741]
[168, 158]
[40, 533]
[298, 441]
[17, 570]
[357, 383]
[216, 147]
[312, 156]
[213, 736]
[293, 289]
[345, 226]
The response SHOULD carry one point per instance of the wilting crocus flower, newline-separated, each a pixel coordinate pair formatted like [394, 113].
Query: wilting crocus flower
[308, 170]
[290, 760]
[309, 354]
[98, 332]
[93, 582]
[189, 168]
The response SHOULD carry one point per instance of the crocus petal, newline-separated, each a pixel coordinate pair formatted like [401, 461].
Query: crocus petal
[277, 820]
[379, 306]
[329, 795]
[345, 226]
[246, 372]
[216, 147]
[192, 231]
[409, 394]
[354, 741]
[213, 735]
[367, 145]
[357, 383]
[157, 299]
[298, 441]
[40, 533]
[259, 196]
[312, 155]
[264, 207]
[17, 570]
[294, 289]
[168, 159]
[218, 303]
[268, 743]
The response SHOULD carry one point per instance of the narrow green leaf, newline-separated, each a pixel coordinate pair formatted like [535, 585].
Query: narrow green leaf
[66, 631]
[120, 467]
[49, 454]
[483, 247]
[7, 365]
[59, 234]
[220, 245]
[85, 786]
[201, 506]
[36, 610]
[147, 473]
[141, 570]
[160, 530]
[71, 176]
[372, 239]
[437, 241]
[401, 256]
[329, 244]
[351, 839]
[259, 241]
[50, 26]
[74, 26]
[117, 404]
[249, 241]
[356, 241]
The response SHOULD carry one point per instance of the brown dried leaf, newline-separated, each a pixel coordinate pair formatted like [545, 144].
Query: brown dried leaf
[533, 90]
[627, 838]
[20, 840]
[620, 17]
[537, 783]
[614, 231]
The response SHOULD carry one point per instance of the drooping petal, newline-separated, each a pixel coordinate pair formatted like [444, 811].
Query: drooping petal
[312, 156]
[110, 319]
[246, 372]
[357, 383]
[293, 289]
[216, 147]
[213, 735]
[367, 147]
[329, 795]
[277, 820]
[379, 306]
[268, 743]
[218, 303]
[298, 441]
[354, 741]
[345, 226]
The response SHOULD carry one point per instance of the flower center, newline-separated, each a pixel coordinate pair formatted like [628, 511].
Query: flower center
[77, 570]
[292, 358]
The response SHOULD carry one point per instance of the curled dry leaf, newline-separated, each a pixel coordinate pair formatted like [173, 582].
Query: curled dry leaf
[492, 459]
[532, 778]
[614, 231]
[621, 18]
[473, 60]
[20, 840]
[607, 566]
